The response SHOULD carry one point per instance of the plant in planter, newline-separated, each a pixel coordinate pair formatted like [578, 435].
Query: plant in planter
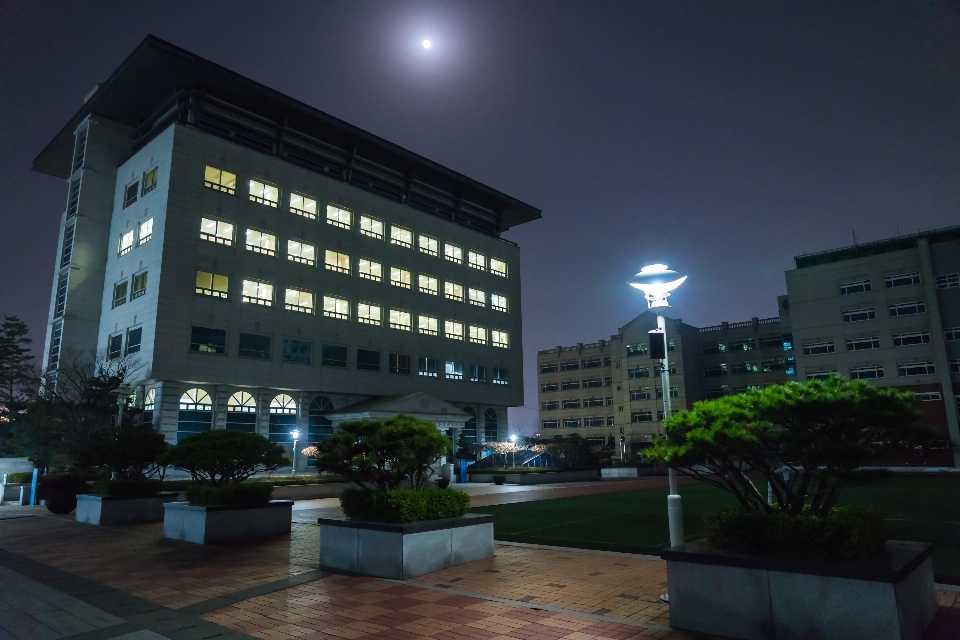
[807, 441]
[499, 478]
[60, 491]
[131, 453]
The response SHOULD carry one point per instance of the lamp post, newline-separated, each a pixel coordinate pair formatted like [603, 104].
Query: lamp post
[513, 453]
[296, 435]
[122, 392]
[656, 282]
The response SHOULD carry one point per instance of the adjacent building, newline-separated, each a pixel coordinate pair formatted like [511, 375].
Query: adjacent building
[265, 265]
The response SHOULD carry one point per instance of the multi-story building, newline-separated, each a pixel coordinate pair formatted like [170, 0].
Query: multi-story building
[263, 264]
[887, 312]
[612, 388]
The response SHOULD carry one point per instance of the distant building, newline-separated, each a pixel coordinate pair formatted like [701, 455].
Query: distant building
[611, 388]
[268, 264]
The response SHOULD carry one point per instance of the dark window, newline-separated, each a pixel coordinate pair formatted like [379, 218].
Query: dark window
[551, 405]
[914, 337]
[254, 346]
[717, 347]
[149, 181]
[427, 367]
[593, 402]
[470, 426]
[788, 342]
[549, 368]
[296, 351]
[130, 194]
[571, 404]
[712, 372]
[592, 363]
[500, 376]
[640, 394]
[608, 382]
[80, 151]
[66, 252]
[61, 295]
[742, 368]
[818, 348]
[399, 363]
[73, 203]
[478, 373]
[333, 356]
[570, 366]
[552, 386]
[191, 421]
[280, 426]
[368, 360]
[115, 346]
[638, 372]
[903, 280]
[570, 384]
[774, 365]
[742, 345]
[907, 308]
[139, 285]
[641, 416]
[594, 383]
[133, 339]
[490, 424]
[205, 340]
[860, 286]
[859, 315]
[319, 425]
[55, 337]
[120, 294]
[636, 349]
[769, 343]
[242, 421]
[859, 344]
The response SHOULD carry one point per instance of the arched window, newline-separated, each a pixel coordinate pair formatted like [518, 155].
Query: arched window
[490, 425]
[242, 412]
[283, 418]
[320, 425]
[470, 426]
[149, 401]
[195, 415]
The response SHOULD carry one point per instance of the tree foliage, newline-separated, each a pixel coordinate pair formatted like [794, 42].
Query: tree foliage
[222, 458]
[131, 451]
[819, 432]
[385, 453]
[17, 375]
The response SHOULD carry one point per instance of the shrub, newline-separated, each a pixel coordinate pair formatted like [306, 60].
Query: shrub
[499, 478]
[60, 491]
[849, 533]
[127, 488]
[222, 457]
[403, 505]
[246, 493]
[21, 477]
[130, 451]
[384, 453]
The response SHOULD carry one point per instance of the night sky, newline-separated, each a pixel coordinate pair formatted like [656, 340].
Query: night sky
[722, 138]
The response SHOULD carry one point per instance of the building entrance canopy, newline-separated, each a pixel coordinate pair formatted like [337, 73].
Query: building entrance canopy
[420, 405]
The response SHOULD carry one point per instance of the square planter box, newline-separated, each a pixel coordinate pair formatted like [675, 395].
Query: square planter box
[111, 510]
[758, 597]
[223, 523]
[403, 551]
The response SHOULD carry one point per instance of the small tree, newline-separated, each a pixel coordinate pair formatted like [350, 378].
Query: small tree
[466, 450]
[223, 458]
[820, 432]
[17, 377]
[130, 451]
[385, 453]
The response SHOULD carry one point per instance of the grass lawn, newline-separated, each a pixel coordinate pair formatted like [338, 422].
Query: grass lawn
[922, 508]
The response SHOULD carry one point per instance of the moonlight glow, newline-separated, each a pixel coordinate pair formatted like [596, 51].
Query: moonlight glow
[427, 44]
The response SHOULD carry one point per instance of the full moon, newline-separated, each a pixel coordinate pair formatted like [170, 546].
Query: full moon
[427, 44]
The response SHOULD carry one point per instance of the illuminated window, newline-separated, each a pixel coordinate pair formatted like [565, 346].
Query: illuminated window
[119, 294]
[261, 242]
[428, 325]
[338, 217]
[477, 298]
[400, 277]
[428, 284]
[145, 232]
[264, 193]
[216, 231]
[283, 404]
[130, 194]
[257, 292]
[478, 335]
[339, 262]
[428, 245]
[301, 252]
[500, 339]
[126, 243]
[453, 253]
[477, 260]
[297, 300]
[139, 285]
[368, 313]
[453, 329]
[242, 412]
[400, 320]
[212, 284]
[498, 302]
[401, 237]
[371, 227]
[498, 267]
[303, 206]
[453, 370]
[336, 308]
[370, 270]
[453, 291]
[150, 180]
[220, 180]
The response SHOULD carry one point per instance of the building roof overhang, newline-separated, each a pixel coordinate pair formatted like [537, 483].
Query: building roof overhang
[420, 405]
[161, 83]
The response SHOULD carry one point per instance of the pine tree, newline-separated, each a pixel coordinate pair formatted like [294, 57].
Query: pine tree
[16, 362]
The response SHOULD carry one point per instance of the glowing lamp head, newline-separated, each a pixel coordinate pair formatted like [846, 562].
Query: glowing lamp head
[656, 282]
[513, 438]
[296, 434]
[427, 44]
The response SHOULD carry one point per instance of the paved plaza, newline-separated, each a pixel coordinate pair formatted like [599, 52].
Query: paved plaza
[60, 579]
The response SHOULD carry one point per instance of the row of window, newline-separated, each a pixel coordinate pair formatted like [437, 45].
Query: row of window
[576, 403]
[566, 385]
[196, 415]
[575, 365]
[725, 390]
[780, 364]
[895, 310]
[944, 281]
[902, 339]
[635, 373]
[260, 347]
[643, 348]
[573, 423]
[140, 187]
[306, 206]
[135, 237]
[137, 286]
[784, 342]
[869, 372]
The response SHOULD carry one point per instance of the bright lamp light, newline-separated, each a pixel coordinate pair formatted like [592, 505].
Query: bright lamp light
[513, 438]
[656, 281]
[296, 434]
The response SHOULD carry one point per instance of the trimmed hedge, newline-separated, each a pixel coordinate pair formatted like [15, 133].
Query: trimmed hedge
[127, 488]
[849, 533]
[403, 505]
[208, 495]
[21, 477]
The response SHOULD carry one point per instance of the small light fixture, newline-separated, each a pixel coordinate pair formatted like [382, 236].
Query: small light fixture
[296, 434]
[656, 282]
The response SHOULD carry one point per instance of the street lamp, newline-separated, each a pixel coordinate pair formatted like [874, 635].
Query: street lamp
[513, 440]
[296, 435]
[123, 392]
[656, 282]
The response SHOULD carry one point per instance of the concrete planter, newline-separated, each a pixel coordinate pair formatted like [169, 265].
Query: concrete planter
[310, 491]
[222, 523]
[547, 477]
[111, 510]
[757, 597]
[15, 492]
[618, 472]
[403, 551]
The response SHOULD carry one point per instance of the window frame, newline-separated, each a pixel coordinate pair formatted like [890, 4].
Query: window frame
[453, 252]
[450, 330]
[299, 259]
[336, 313]
[450, 291]
[142, 238]
[219, 184]
[367, 275]
[396, 315]
[335, 214]
[211, 291]
[264, 189]
[336, 267]
[424, 245]
[216, 237]
[394, 271]
[502, 273]
[259, 248]
[303, 211]
[427, 331]
[372, 223]
[477, 260]
[257, 300]
[370, 309]
[397, 239]
[123, 246]
[435, 291]
[299, 307]
[145, 189]
[503, 342]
